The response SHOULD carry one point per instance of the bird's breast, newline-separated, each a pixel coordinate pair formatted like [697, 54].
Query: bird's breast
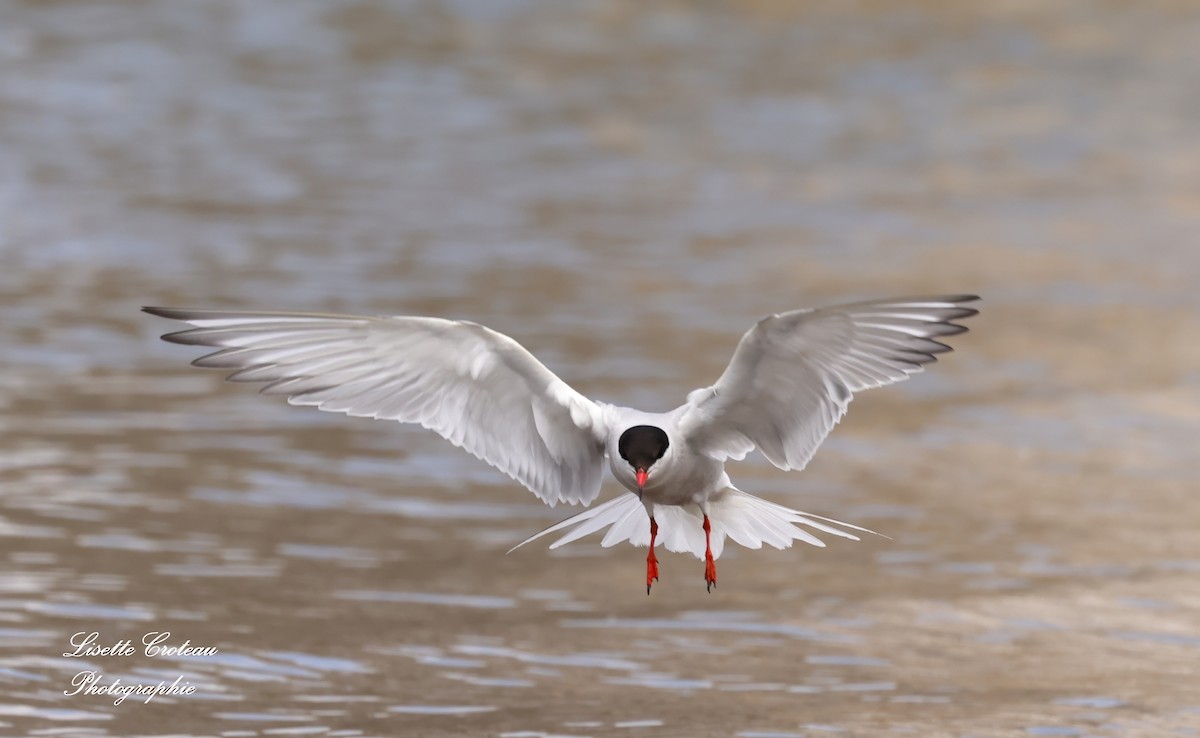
[676, 479]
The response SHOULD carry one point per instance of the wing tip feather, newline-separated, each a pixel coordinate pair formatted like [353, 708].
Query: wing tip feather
[165, 312]
[185, 338]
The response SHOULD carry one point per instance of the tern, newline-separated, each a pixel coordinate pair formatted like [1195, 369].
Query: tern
[788, 384]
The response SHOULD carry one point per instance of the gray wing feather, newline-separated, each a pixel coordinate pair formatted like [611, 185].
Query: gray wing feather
[793, 374]
[477, 388]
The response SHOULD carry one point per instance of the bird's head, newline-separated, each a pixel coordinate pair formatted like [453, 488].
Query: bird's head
[641, 446]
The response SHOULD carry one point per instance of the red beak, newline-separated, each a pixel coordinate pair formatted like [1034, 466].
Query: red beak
[641, 477]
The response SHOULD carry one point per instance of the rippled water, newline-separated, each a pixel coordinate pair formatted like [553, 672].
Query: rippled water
[624, 188]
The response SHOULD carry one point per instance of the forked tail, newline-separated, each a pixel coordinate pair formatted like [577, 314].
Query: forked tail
[748, 520]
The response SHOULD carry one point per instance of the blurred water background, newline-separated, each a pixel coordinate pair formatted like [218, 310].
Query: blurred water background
[623, 187]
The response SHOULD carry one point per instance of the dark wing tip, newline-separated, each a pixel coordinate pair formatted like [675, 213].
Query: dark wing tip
[943, 329]
[190, 337]
[956, 313]
[958, 299]
[959, 313]
[172, 313]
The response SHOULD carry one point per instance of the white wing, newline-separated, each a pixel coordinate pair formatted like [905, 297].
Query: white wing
[793, 374]
[477, 388]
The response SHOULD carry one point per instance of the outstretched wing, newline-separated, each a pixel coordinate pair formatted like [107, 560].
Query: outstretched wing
[793, 374]
[477, 388]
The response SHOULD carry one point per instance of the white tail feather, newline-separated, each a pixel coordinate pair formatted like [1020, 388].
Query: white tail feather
[748, 520]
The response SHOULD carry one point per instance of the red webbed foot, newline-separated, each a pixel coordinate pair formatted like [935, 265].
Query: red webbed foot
[710, 566]
[651, 559]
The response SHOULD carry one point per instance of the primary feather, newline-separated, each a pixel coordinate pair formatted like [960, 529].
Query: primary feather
[793, 374]
[477, 388]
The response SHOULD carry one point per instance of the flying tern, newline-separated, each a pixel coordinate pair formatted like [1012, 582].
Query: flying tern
[789, 382]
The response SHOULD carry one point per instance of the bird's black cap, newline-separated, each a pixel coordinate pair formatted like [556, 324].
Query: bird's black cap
[642, 445]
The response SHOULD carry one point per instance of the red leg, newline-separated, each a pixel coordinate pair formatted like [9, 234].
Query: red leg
[651, 560]
[710, 566]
